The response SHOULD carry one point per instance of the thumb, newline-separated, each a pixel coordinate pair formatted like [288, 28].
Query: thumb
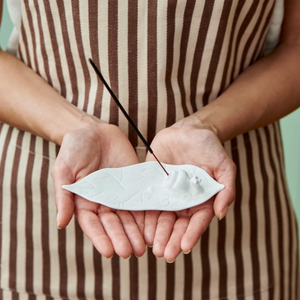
[225, 197]
[63, 199]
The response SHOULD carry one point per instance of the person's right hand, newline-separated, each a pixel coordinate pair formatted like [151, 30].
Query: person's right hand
[96, 145]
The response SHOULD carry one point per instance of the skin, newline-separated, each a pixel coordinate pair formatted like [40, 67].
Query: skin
[109, 229]
[262, 94]
[172, 232]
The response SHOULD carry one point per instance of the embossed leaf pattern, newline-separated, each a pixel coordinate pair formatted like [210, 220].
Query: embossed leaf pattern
[145, 186]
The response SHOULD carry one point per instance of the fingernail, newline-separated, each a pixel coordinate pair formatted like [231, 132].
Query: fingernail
[109, 257]
[57, 221]
[186, 252]
[158, 257]
[127, 257]
[223, 213]
[170, 262]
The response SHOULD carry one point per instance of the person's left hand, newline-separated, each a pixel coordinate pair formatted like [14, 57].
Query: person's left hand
[189, 142]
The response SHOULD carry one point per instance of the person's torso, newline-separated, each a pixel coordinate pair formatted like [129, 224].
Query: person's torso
[163, 59]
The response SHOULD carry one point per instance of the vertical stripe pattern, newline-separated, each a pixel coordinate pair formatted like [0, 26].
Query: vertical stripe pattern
[165, 60]
[152, 68]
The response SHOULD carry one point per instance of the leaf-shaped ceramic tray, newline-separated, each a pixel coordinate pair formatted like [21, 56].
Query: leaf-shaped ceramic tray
[146, 186]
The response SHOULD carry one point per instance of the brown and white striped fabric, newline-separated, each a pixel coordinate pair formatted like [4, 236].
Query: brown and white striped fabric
[164, 59]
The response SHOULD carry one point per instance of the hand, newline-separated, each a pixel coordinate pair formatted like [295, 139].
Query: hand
[96, 145]
[189, 142]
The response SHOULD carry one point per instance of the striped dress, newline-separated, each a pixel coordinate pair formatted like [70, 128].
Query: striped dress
[164, 59]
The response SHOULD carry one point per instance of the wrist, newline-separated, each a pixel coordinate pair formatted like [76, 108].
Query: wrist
[72, 119]
[92, 126]
[216, 119]
[196, 122]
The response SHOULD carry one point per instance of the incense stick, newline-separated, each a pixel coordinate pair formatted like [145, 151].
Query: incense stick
[125, 113]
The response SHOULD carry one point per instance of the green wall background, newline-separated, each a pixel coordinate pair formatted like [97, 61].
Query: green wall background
[290, 127]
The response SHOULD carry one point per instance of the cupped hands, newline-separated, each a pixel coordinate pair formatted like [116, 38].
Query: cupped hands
[96, 145]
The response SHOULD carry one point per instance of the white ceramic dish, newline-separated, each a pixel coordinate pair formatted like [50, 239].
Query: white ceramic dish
[146, 186]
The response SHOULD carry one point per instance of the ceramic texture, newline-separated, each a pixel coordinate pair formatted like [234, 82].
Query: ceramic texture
[146, 186]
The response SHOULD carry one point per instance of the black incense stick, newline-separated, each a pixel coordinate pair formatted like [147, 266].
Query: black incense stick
[125, 113]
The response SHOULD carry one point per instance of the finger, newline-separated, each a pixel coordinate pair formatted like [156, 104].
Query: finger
[139, 217]
[164, 229]
[133, 232]
[92, 227]
[115, 231]
[225, 197]
[151, 217]
[173, 248]
[222, 202]
[197, 226]
[63, 199]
